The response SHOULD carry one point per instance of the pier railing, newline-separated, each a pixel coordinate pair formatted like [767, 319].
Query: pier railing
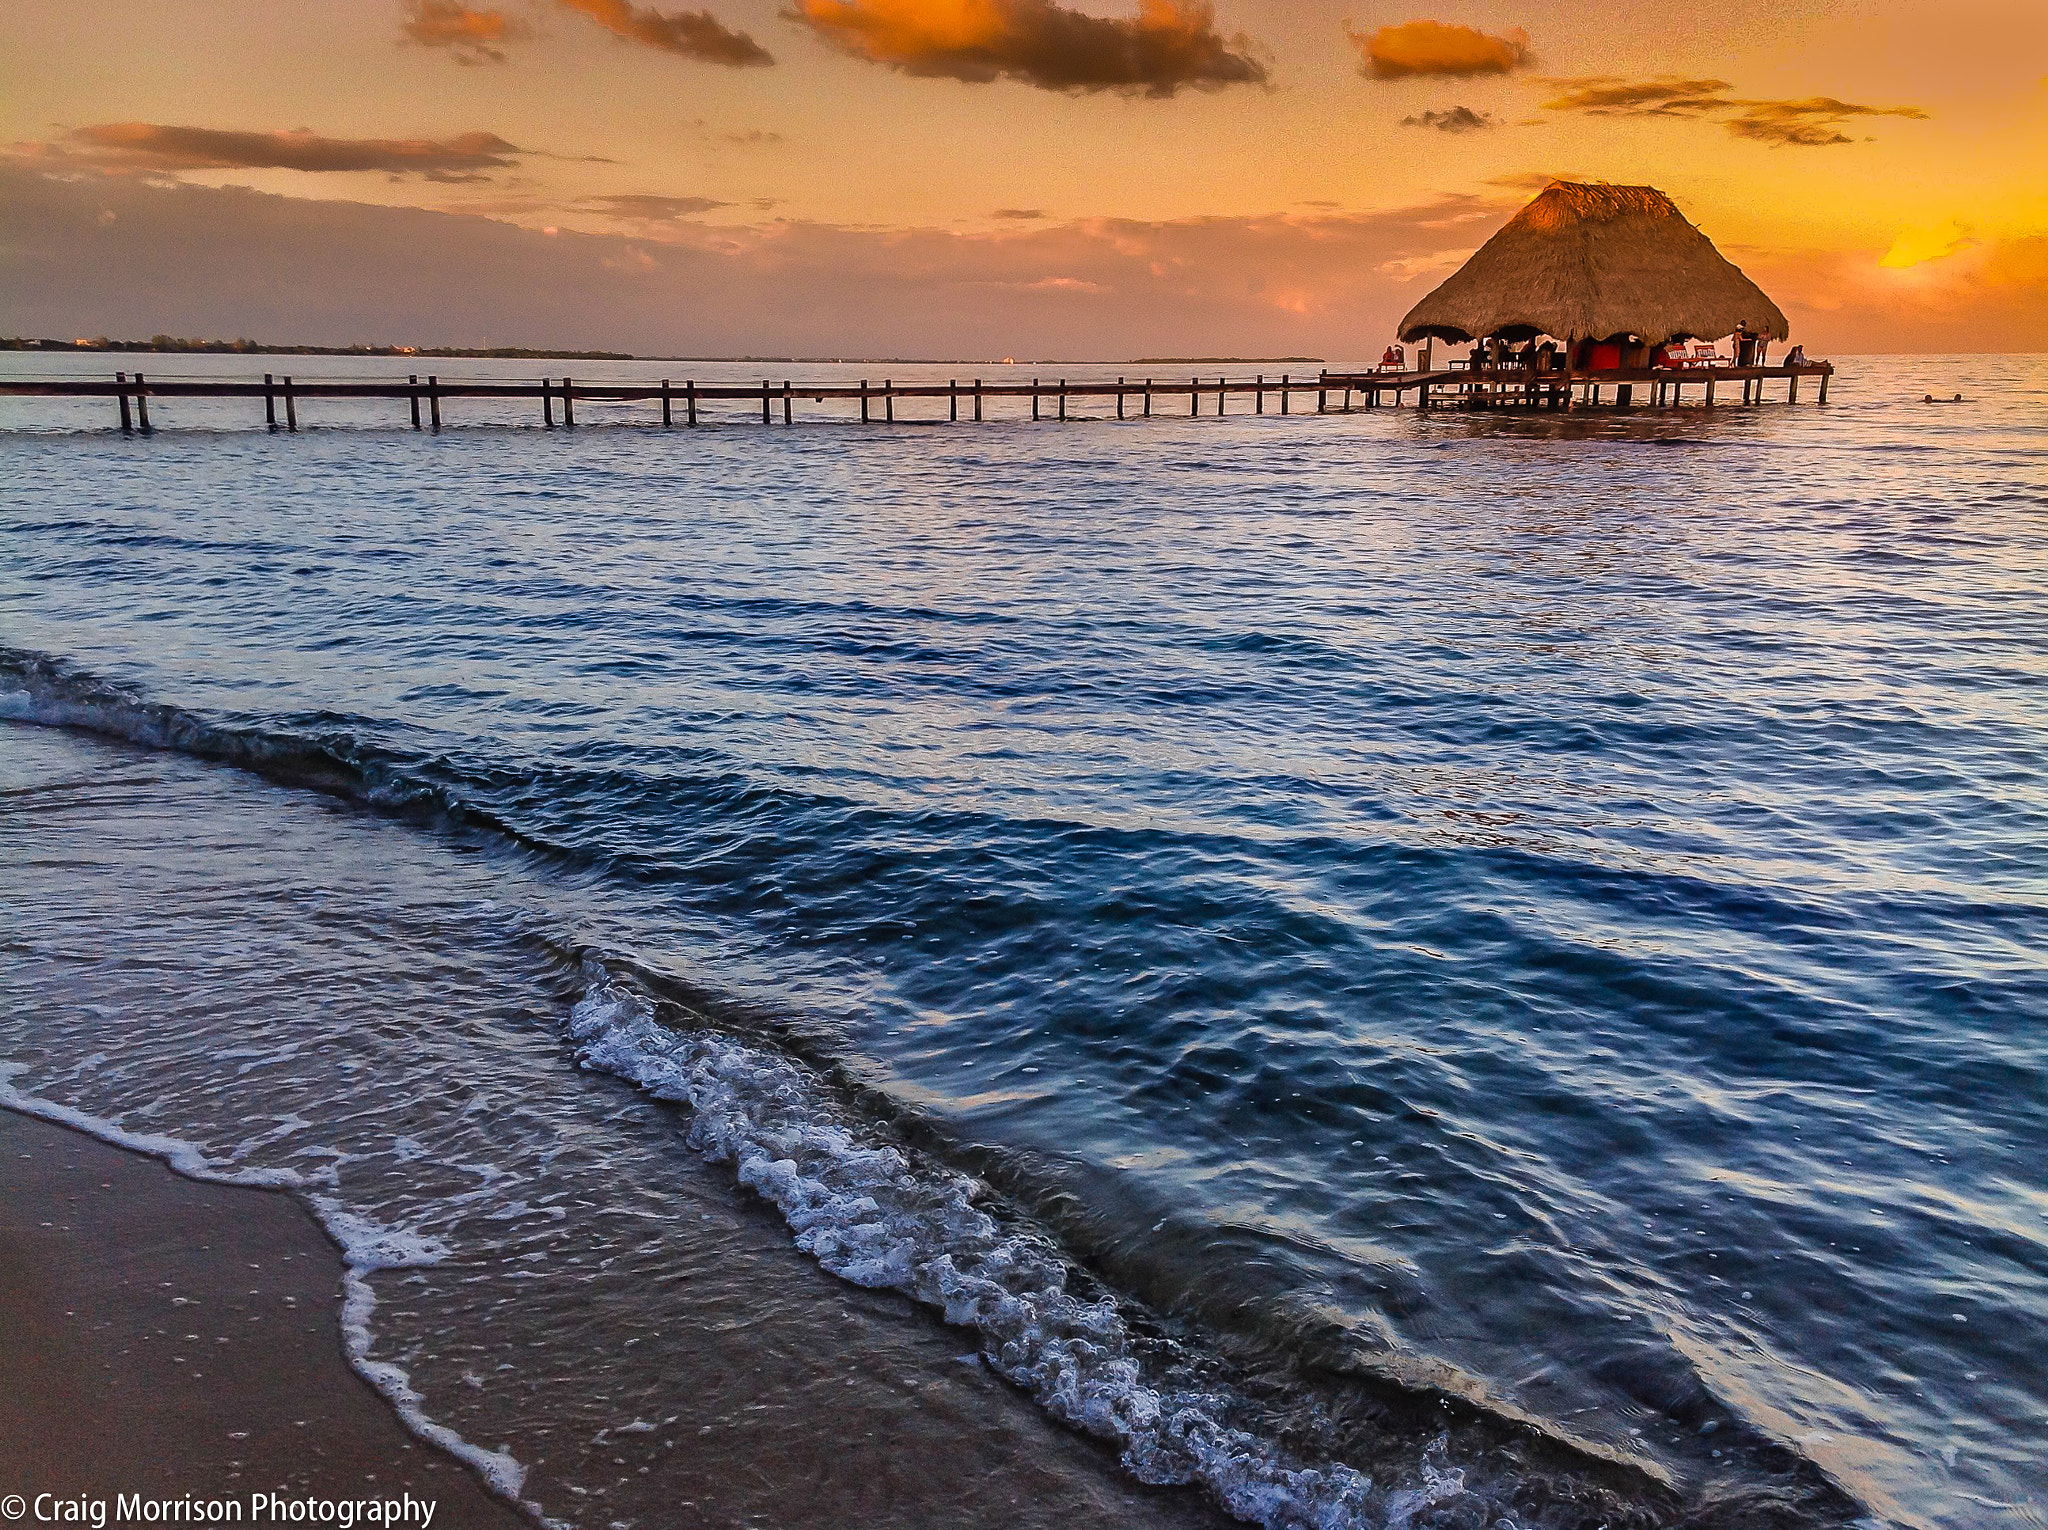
[1134, 398]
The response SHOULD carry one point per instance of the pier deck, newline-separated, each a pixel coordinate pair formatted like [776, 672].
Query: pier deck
[1497, 388]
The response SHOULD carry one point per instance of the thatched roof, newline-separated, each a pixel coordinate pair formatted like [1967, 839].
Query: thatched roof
[1593, 261]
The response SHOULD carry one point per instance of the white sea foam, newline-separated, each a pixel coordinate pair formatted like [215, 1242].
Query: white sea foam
[366, 1247]
[869, 1214]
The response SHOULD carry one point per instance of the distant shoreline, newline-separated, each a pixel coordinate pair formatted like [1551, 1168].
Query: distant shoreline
[165, 345]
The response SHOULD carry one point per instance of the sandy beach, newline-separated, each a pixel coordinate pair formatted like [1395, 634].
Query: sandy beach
[170, 1338]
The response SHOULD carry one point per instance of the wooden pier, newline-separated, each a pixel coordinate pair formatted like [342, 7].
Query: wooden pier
[688, 402]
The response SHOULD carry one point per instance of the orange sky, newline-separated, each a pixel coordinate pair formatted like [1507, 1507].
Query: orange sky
[996, 176]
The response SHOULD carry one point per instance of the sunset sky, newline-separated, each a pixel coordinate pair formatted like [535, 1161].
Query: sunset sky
[981, 177]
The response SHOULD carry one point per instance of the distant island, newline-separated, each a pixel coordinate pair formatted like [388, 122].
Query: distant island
[172, 344]
[176, 345]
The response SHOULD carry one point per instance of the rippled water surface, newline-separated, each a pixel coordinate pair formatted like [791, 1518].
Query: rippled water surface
[1394, 970]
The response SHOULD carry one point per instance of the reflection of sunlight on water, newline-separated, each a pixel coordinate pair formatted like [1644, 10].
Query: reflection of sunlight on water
[1535, 850]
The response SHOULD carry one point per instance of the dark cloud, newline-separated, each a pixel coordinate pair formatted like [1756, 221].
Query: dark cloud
[1019, 214]
[1456, 119]
[696, 35]
[1814, 122]
[637, 207]
[1438, 48]
[1607, 95]
[155, 147]
[1169, 45]
[471, 34]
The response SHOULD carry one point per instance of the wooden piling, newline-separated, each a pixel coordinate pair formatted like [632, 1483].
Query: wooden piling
[889, 400]
[864, 401]
[1063, 400]
[977, 400]
[269, 403]
[434, 400]
[668, 419]
[141, 405]
[412, 383]
[1034, 398]
[1119, 397]
[953, 398]
[1148, 398]
[1710, 392]
[788, 405]
[690, 402]
[1792, 389]
[127, 424]
[1284, 403]
[1822, 396]
[1259, 394]
[547, 406]
[291, 406]
[1322, 392]
[764, 402]
[1220, 391]
[568, 404]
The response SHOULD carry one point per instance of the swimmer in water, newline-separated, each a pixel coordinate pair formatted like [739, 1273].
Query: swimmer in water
[1931, 399]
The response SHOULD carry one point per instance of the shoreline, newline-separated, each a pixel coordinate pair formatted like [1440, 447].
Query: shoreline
[177, 1338]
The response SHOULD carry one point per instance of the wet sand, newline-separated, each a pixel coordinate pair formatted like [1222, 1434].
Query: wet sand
[166, 1337]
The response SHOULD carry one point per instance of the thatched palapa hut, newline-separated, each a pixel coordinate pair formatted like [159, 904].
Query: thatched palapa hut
[1596, 262]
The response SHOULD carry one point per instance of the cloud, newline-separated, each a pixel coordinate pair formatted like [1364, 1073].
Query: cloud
[1440, 48]
[1607, 95]
[1918, 246]
[638, 207]
[1457, 119]
[1018, 214]
[193, 259]
[159, 149]
[688, 34]
[1167, 46]
[1814, 122]
[469, 33]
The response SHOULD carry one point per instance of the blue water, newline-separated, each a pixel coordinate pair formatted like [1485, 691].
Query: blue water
[1547, 913]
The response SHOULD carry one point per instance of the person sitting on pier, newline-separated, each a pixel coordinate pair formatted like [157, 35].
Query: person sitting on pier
[1796, 357]
[1394, 357]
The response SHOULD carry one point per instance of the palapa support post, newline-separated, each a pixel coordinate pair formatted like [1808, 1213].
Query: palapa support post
[568, 404]
[127, 424]
[269, 404]
[690, 402]
[547, 406]
[291, 406]
[668, 418]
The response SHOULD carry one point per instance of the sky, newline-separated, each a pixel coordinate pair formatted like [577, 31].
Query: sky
[1084, 179]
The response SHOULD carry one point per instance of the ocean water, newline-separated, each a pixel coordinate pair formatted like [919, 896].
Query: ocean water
[1334, 971]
